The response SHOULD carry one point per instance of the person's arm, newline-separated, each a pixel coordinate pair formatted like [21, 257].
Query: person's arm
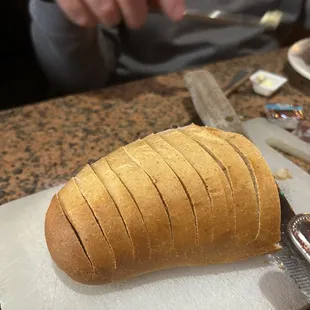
[73, 58]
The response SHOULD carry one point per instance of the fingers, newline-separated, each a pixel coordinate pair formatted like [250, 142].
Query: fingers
[106, 11]
[78, 12]
[110, 12]
[173, 8]
[134, 12]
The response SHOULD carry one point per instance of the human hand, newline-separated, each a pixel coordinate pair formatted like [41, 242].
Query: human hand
[89, 13]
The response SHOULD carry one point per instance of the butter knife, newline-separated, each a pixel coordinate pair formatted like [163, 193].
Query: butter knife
[270, 20]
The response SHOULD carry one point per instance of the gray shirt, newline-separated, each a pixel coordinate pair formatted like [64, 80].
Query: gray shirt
[78, 59]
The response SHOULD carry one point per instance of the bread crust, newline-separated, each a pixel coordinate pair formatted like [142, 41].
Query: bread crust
[108, 217]
[192, 183]
[65, 247]
[266, 188]
[148, 200]
[129, 211]
[213, 178]
[185, 197]
[171, 190]
[246, 209]
[86, 227]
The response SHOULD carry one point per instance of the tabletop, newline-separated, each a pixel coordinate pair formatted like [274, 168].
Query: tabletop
[44, 144]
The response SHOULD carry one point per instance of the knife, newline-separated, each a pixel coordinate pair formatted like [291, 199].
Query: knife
[270, 20]
[215, 110]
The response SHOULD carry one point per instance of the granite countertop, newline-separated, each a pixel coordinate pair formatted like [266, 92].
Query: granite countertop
[44, 144]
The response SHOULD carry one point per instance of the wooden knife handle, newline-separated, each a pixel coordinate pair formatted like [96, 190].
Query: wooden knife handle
[211, 103]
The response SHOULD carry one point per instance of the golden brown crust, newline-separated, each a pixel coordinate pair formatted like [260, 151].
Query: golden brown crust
[213, 177]
[148, 200]
[245, 203]
[64, 246]
[84, 223]
[172, 192]
[267, 192]
[108, 217]
[177, 198]
[192, 183]
[128, 209]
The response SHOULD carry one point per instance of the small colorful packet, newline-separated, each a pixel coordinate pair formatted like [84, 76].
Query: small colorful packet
[284, 115]
[302, 131]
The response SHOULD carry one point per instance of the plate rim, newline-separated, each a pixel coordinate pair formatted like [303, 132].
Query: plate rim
[302, 72]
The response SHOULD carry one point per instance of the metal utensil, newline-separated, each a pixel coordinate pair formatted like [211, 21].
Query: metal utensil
[292, 255]
[237, 80]
[299, 232]
[270, 20]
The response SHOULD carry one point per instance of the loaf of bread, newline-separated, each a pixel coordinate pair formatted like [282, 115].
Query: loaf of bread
[182, 197]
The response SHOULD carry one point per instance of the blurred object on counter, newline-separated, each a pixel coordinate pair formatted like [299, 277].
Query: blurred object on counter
[282, 174]
[266, 83]
[299, 57]
[302, 130]
[237, 80]
[284, 115]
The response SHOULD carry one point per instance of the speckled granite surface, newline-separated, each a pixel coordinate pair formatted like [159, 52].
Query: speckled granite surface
[43, 145]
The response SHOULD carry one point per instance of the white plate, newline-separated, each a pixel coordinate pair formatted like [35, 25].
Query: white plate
[299, 57]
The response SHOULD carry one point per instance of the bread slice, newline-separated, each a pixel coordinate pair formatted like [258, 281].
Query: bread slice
[265, 186]
[245, 203]
[84, 223]
[192, 183]
[213, 178]
[171, 191]
[65, 247]
[128, 209]
[108, 217]
[148, 200]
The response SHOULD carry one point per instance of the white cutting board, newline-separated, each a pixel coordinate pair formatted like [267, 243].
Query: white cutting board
[29, 280]
[266, 135]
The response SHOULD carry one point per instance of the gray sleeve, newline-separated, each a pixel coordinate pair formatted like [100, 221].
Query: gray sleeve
[73, 58]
